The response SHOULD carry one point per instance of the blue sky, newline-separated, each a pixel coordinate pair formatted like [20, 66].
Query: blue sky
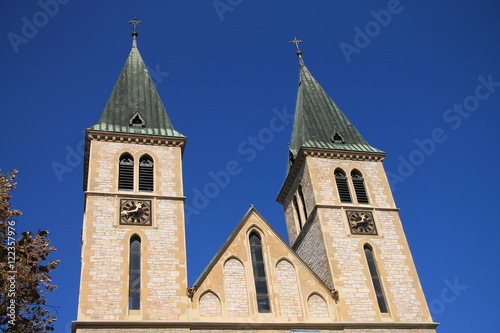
[420, 80]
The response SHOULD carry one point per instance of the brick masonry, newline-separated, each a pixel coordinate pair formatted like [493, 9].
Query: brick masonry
[289, 290]
[105, 251]
[317, 306]
[312, 250]
[289, 281]
[210, 305]
[235, 287]
[327, 246]
[103, 168]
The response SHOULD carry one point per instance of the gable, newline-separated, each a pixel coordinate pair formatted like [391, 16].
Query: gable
[227, 289]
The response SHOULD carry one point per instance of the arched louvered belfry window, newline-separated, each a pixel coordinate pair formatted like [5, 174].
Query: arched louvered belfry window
[134, 285]
[126, 172]
[303, 202]
[342, 187]
[146, 173]
[377, 285]
[259, 273]
[359, 187]
[297, 211]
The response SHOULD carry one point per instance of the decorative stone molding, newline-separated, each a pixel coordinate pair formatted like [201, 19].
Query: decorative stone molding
[144, 139]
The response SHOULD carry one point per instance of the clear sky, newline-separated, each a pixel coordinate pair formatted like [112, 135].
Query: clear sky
[419, 79]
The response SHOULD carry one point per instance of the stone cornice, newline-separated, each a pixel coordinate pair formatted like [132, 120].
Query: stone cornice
[144, 139]
[141, 195]
[323, 153]
[249, 325]
[358, 207]
[343, 154]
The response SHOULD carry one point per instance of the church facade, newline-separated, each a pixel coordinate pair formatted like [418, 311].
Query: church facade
[346, 268]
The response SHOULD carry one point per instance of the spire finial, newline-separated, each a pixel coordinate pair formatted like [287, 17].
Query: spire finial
[299, 52]
[134, 22]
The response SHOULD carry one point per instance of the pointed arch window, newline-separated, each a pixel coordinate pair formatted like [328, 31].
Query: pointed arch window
[342, 187]
[146, 173]
[259, 273]
[126, 172]
[297, 212]
[134, 286]
[359, 187]
[377, 285]
[303, 202]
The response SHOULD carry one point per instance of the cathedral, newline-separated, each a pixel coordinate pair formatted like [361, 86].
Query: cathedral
[346, 266]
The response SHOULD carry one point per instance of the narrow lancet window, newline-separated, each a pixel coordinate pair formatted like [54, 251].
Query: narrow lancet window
[303, 202]
[134, 288]
[359, 187]
[297, 212]
[342, 187]
[259, 273]
[377, 285]
[126, 172]
[146, 173]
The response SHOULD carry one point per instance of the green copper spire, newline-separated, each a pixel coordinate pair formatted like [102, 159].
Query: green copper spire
[134, 105]
[318, 122]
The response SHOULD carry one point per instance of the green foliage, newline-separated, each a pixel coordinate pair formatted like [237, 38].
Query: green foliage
[25, 271]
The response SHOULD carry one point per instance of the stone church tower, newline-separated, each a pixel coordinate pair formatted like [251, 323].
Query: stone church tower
[347, 268]
[133, 252]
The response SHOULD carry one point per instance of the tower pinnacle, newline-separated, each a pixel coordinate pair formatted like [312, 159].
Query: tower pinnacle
[134, 106]
[318, 122]
[134, 22]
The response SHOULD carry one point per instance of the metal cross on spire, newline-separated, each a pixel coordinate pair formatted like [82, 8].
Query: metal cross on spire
[134, 22]
[299, 52]
[296, 42]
